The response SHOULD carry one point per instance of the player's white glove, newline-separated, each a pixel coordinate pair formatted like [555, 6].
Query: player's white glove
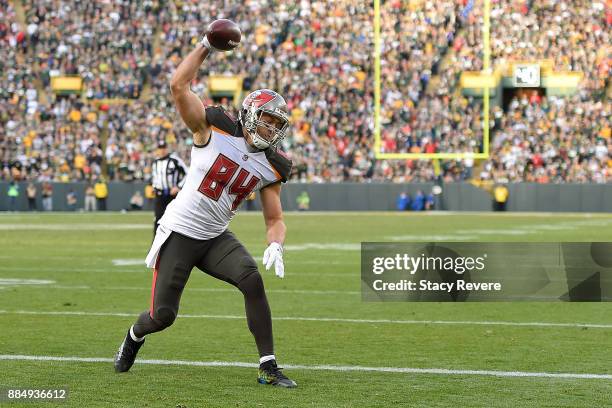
[206, 44]
[274, 255]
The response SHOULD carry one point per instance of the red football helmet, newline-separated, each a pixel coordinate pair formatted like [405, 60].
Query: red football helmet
[254, 106]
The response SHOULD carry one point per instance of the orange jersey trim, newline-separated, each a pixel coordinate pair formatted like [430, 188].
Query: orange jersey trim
[276, 172]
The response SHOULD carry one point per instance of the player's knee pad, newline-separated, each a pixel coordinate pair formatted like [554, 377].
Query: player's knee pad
[252, 285]
[248, 264]
[164, 317]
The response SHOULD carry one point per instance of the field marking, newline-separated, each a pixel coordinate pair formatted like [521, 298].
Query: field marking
[537, 228]
[229, 290]
[127, 262]
[30, 256]
[94, 260]
[136, 226]
[321, 367]
[438, 238]
[15, 282]
[417, 214]
[337, 246]
[505, 231]
[83, 269]
[110, 269]
[323, 319]
[403, 214]
[74, 227]
[140, 261]
[234, 290]
[470, 234]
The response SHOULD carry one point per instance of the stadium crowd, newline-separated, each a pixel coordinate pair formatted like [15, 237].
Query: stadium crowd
[108, 44]
[319, 56]
[555, 139]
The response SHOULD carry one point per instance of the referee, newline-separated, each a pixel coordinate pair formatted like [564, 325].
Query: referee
[168, 176]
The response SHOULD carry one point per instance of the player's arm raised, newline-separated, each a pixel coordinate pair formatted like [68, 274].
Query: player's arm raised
[275, 228]
[188, 104]
[221, 35]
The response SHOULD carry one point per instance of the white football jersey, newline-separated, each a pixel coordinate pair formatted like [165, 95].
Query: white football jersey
[221, 175]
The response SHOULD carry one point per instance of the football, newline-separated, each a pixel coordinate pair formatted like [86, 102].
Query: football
[224, 34]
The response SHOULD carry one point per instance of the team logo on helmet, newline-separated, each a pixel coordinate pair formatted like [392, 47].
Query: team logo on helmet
[259, 98]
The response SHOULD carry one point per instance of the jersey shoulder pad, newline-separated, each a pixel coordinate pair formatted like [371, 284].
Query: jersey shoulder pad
[221, 119]
[280, 163]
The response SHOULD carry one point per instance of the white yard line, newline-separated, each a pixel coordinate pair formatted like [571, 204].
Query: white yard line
[16, 282]
[141, 262]
[471, 234]
[228, 290]
[403, 214]
[82, 269]
[233, 290]
[73, 227]
[435, 238]
[325, 319]
[126, 262]
[328, 246]
[417, 214]
[144, 269]
[324, 367]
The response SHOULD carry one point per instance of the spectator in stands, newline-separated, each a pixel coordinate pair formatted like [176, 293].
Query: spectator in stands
[418, 204]
[500, 197]
[430, 202]
[47, 196]
[90, 198]
[149, 196]
[101, 192]
[13, 194]
[250, 201]
[71, 200]
[403, 202]
[318, 54]
[137, 201]
[303, 201]
[31, 193]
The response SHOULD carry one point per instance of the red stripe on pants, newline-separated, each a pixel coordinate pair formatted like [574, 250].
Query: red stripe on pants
[153, 287]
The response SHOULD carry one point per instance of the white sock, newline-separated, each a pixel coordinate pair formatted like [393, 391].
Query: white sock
[266, 358]
[133, 336]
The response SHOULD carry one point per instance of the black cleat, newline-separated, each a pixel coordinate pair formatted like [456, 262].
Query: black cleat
[124, 359]
[270, 373]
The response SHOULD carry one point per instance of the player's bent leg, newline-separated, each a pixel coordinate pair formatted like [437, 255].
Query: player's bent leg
[163, 318]
[174, 266]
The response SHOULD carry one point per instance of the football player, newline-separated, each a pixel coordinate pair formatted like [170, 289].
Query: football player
[229, 160]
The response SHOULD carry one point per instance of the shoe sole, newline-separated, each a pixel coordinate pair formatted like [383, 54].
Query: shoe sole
[278, 384]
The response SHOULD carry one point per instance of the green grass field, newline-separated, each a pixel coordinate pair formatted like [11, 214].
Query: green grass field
[90, 288]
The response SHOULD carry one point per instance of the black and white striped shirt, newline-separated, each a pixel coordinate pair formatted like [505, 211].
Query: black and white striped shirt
[167, 172]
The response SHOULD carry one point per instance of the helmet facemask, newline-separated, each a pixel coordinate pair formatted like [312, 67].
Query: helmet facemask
[252, 120]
